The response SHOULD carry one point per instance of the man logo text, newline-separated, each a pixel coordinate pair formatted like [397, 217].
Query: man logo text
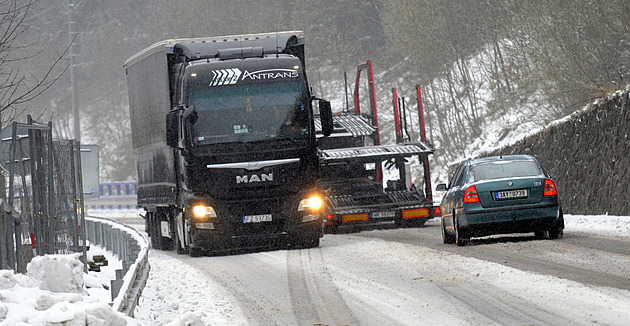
[254, 178]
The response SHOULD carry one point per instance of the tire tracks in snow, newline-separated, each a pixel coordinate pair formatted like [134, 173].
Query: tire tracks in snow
[316, 300]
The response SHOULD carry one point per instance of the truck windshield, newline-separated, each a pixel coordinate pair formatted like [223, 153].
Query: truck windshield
[250, 113]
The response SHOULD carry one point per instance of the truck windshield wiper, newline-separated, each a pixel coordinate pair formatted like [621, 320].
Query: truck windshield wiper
[293, 140]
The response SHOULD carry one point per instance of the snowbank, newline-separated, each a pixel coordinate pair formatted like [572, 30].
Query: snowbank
[53, 292]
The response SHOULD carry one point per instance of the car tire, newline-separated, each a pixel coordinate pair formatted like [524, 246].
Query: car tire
[557, 231]
[446, 238]
[539, 234]
[460, 240]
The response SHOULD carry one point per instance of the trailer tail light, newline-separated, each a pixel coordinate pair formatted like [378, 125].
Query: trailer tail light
[471, 195]
[415, 213]
[354, 217]
[550, 188]
[437, 212]
[330, 218]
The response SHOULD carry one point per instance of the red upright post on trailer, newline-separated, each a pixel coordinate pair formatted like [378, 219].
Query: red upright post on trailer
[423, 138]
[397, 116]
[373, 99]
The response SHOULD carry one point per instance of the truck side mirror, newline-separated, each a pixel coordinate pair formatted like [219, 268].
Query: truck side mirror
[172, 128]
[325, 114]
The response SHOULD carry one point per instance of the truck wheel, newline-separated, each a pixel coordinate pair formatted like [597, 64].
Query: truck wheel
[412, 223]
[195, 252]
[153, 230]
[180, 244]
[162, 215]
[331, 228]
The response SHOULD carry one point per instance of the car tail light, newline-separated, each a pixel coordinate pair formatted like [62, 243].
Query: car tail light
[550, 188]
[471, 195]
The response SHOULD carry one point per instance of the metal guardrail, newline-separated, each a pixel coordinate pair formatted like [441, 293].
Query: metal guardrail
[132, 248]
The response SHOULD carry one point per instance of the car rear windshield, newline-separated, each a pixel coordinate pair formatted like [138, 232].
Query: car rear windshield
[505, 169]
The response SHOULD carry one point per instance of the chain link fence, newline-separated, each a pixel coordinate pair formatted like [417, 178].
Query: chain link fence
[42, 196]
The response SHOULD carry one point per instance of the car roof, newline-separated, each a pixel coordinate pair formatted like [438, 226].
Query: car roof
[502, 158]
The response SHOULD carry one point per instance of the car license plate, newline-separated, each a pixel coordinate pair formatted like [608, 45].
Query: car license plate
[383, 214]
[257, 218]
[509, 194]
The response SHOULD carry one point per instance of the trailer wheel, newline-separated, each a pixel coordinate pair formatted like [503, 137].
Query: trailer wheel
[331, 228]
[151, 229]
[412, 223]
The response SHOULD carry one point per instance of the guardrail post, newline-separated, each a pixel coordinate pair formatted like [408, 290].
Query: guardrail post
[124, 242]
[116, 284]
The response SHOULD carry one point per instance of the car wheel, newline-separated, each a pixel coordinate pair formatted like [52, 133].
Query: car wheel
[460, 240]
[557, 231]
[540, 234]
[446, 238]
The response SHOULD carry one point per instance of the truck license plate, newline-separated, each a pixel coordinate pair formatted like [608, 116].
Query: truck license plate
[520, 193]
[257, 218]
[383, 214]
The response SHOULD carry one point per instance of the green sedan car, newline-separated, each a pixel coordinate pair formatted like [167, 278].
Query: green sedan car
[500, 195]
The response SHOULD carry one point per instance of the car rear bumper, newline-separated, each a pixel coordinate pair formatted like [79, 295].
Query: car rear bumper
[514, 220]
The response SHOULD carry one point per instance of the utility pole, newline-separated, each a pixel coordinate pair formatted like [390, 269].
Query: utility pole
[75, 106]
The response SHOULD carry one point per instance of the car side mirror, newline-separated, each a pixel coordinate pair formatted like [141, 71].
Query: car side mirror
[441, 187]
[325, 114]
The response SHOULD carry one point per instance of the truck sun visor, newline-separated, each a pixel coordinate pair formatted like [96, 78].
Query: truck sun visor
[240, 53]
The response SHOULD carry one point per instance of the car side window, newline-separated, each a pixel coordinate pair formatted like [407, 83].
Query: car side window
[456, 177]
[460, 177]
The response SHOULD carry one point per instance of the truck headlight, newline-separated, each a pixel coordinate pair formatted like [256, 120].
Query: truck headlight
[313, 203]
[200, 211]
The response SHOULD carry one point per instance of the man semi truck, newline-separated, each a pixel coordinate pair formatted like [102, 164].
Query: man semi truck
[224, 141]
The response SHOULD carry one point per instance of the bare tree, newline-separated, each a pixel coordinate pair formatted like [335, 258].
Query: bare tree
[17, 86]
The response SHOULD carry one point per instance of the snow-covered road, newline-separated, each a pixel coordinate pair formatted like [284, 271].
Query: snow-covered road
[404, 277]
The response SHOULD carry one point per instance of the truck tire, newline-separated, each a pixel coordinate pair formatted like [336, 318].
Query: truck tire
[158, 242]
[177, 230]
[152, 230]
[412, 223]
